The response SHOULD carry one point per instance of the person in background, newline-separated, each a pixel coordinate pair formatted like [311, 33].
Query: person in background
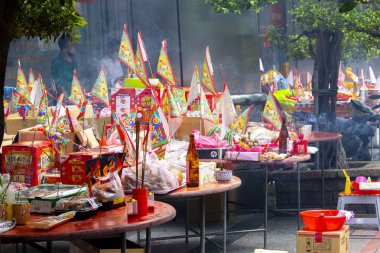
[62, 67]
[112, 65]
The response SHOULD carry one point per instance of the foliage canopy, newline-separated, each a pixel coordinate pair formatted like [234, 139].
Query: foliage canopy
[360, 26]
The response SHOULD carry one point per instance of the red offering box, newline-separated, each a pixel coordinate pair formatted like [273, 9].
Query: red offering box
[73, 167]
[26, 161]
[123, 100]
[364, 192]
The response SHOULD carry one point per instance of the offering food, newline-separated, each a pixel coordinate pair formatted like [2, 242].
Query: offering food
[274, 156]
[84, 206]
[109, 191]
[50, 221]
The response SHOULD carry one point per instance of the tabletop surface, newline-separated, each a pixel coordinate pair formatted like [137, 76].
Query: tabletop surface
[324, 136]
[202, 190]
[103, 223]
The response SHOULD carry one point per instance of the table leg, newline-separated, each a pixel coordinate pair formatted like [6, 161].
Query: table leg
[378, 137]
[187, 222]
[203, 224]
[23, 247]
[138, 237]
[148, 245]
[123, 243]
[298, 193]
[266, 206]
[1, 246]
[225, 222]
[49, 246]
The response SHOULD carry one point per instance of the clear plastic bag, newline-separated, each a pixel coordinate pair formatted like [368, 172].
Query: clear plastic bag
[108, 188]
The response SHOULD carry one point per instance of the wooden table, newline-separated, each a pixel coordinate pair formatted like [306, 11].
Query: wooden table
[201, 192]
[318, 137]
[105, 223]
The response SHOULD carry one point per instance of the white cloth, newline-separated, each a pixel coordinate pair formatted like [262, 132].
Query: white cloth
[113, 69]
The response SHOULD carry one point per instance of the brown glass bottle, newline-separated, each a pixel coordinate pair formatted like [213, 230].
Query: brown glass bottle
[192, 164]
[283, 139]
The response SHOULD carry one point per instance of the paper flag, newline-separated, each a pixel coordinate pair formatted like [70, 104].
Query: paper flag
[227, 111]
[261, 65]
[128, 122]
[77, 96]
[159, 132]
[290, 79]
[31, 80]
[58, 140]
[179, 95]
[141, 45]
[100, 90]
[240, 123]
[272, 112]
[36, 93]
[351, 75]
[372, 75]
[60, 119]
[362, 80]
[378, 82]
[82, 112]
[141, 68]
[309, 78]
[174, 110]
[195, 87]
[208, 74]
[164, 68]
[126, 140]
[43, 112]
[126, 54]
[205, 108]
[22, 87]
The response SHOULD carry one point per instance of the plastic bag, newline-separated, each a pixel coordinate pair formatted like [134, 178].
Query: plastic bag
[109, 189]
[158, 177]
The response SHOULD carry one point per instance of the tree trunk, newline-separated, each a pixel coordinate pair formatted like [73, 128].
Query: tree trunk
[325, 77]
[325, 80]
[8, 12]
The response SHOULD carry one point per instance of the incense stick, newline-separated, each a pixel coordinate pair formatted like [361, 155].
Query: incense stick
[137, 150]
[144, 159]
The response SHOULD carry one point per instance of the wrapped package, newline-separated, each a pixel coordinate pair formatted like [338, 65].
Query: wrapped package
[84, 206]
[159, 179]
[109, 191]
[50, 221]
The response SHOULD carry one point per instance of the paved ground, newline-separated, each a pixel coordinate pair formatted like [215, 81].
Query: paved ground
[281, 236]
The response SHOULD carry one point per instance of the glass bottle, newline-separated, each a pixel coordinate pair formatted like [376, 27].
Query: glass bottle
[283, 139]
[192, 164]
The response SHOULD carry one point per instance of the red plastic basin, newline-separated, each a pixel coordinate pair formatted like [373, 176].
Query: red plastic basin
[322, 220]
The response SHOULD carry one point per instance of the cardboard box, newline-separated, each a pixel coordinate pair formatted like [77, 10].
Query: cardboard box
[13, 124]
[211, 153]
[325, 242]
[26, 161]
[104, 245]
[73, 167]
[191, 123]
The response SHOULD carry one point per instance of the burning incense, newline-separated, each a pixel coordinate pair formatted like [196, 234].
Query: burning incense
[137, 151]
[144, 156]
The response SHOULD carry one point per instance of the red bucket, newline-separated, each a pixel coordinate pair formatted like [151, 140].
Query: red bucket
[323, 220]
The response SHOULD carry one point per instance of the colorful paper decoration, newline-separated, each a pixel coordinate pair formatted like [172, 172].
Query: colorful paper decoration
[100, 90]
[129, 146]
[272, 112]
[205, 108]
[164, 68]
[208, 74]
[22, 87]
[240, 123]
[43, 112]
[174, 110]
[128, 122]
[140, 63]
[77, 96]
[31, 80]
[61, 118]
[195, 87]
[159, 132]
[227, 110]
[179, 95]
[82, 112]
[126, 54]
[36, 93]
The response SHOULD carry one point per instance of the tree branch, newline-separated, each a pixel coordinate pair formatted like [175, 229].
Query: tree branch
[309, 34]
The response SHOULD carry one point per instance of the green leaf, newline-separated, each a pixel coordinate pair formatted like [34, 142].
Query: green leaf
[347, 7]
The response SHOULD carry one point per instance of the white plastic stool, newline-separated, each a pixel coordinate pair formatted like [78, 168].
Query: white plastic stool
[361, 199]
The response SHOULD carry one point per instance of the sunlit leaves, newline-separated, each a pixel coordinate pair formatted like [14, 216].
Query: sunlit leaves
[47, 19]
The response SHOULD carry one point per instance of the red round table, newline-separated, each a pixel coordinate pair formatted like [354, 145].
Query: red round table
[324, 136]
[200, 192]
[104, 223]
